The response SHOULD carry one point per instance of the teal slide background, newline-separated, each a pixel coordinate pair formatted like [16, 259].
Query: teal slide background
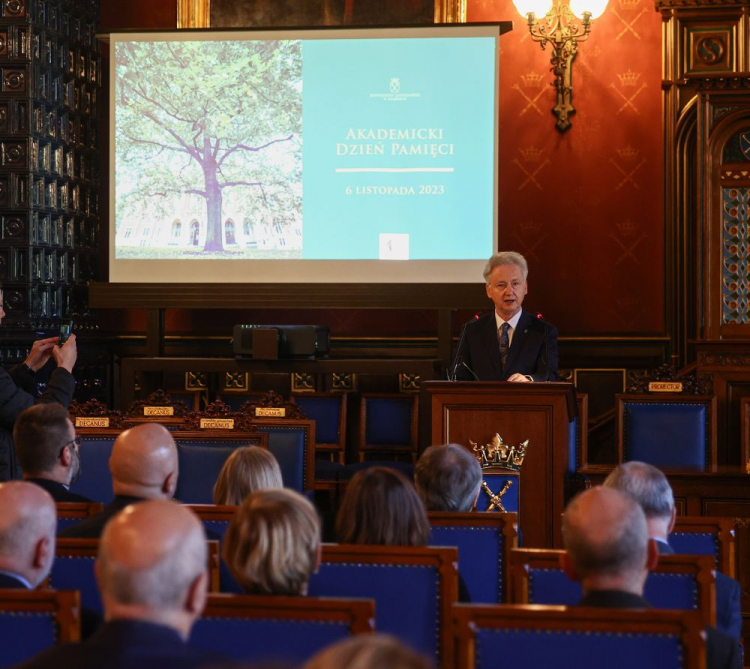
[455, 79]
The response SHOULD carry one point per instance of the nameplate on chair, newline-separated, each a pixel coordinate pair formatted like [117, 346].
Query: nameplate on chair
[217, 423]
[158, 411]
[270, 412]
[99, 421]
[665, 387]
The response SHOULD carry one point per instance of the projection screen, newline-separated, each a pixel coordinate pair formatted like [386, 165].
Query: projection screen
[311, 155]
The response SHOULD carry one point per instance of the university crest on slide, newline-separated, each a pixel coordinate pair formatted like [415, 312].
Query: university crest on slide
[745, 144]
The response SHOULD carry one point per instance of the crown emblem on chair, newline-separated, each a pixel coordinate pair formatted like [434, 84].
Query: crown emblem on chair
[499, 454]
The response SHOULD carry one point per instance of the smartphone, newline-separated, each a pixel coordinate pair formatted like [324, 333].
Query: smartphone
[65, 328]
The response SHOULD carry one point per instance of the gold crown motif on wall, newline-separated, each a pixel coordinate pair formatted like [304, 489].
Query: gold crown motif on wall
[629, 78]
[531, 154]
[629, 153]
[499, 454]
[532, 80]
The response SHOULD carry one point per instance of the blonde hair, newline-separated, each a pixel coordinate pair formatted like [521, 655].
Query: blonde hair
[368, 651]
[246, 470]
[272, 544]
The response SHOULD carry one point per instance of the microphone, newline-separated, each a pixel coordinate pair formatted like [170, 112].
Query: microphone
[546, 345]
[457, 360]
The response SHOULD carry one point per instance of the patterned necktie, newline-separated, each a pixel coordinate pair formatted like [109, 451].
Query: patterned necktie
[504, 344]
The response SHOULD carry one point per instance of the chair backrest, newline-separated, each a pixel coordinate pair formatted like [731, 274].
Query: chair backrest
[679, 582]
[215, 517]
[576, 637]
[33, 620]
[69, 513]
[413, 589]
[95, 481]
[284, 630]
[668, 429]
[484, 542]
[292, 442]
[73, 569]
[388, 423]
[328, 410]
[202, 454]
[706, 536]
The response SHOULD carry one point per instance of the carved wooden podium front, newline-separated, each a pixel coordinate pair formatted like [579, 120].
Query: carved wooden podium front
[539, 412]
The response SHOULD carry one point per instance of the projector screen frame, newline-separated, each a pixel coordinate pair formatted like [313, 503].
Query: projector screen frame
[376, 271]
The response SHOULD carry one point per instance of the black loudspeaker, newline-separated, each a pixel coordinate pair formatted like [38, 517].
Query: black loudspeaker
[271, 342]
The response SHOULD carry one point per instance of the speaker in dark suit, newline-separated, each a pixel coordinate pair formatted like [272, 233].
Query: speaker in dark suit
[509, 344]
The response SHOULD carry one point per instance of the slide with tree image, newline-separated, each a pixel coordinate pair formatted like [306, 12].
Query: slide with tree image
[314, 149]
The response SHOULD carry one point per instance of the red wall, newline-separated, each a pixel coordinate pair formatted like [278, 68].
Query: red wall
[590, 221]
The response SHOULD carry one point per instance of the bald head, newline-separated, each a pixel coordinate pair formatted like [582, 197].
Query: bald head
[606, 537]
[144, 463]
[28, 522]
[152, 564]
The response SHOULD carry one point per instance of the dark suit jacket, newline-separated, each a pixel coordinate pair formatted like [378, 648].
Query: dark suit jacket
[92, 527]
[15, 396]
[728, 612]
[480, 350]
[58, 491]
[722, 652]
[8, 582]
[127, 644]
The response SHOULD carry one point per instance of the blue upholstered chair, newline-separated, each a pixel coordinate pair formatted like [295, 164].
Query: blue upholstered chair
[285, 630]
[484, 542]
[73, 569]
[328, 410]
[577, 637]
[413, 589]
[667, 429]
[33, 620]
[69, 513]
[679, 582]
[706, 536]
[292, 442]
[388, 425]
[95, 481]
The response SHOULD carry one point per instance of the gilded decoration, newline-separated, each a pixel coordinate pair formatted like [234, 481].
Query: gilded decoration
[496, 500]
[735, 255]
[303, 382]
[196, 381]
[408, 383]
[692, 384]
[499, 454]
[236, 382]
[342, 382]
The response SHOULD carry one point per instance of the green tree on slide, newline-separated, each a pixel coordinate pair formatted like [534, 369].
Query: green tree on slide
[203, 117]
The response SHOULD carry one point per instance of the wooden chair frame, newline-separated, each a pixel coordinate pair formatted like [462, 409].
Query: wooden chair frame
[467, 619]
[78, 510]
[65, 604]
[723, 528]
[701, 566]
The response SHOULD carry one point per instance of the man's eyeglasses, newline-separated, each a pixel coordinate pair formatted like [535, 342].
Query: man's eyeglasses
[73, 442]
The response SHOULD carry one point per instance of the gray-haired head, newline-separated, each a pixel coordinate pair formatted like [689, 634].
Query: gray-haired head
[506, 258]
[448, 478]
[606, 535]
[646, 484]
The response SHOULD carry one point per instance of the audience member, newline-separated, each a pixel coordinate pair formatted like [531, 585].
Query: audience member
[272, 545]
[144, 466]
[448, 478]
[246, 470]
[17, 388]
[609, 552]
[368, 651]
[27, 535]
[382, 507]
[650, 488]
[151, 571]
[47, 450]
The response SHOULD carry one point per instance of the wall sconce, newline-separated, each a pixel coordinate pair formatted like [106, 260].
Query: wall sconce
[559, 28]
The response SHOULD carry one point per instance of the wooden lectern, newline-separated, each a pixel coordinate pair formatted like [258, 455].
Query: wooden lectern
[540, 412]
